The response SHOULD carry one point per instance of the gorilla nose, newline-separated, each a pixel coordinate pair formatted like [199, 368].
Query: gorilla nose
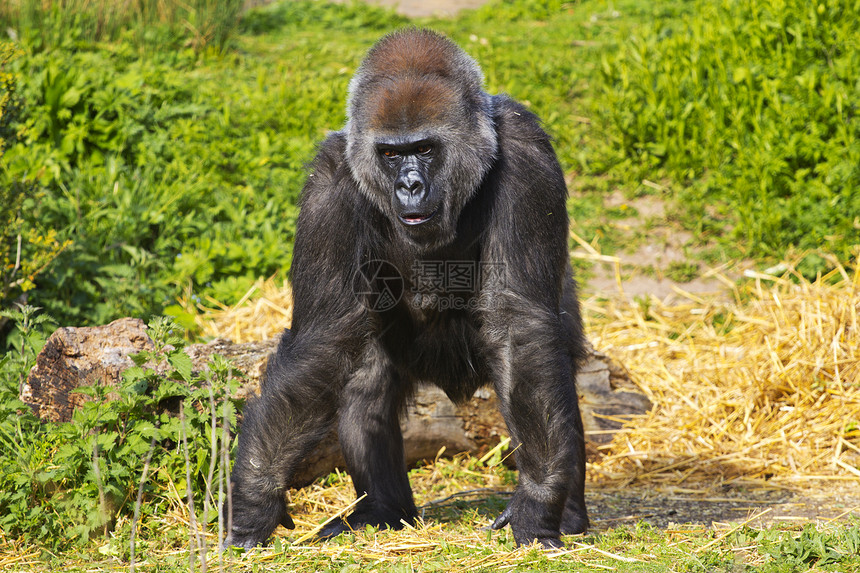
[410, 189]
[414, 186]
[412, 198]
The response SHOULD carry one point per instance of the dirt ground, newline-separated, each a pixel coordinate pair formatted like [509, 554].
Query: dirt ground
[819, 502]
[646, 267]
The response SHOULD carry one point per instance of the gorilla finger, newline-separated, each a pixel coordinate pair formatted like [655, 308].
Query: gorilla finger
[287, 521]
[572, 524]
[244, 544]
[333, 529]
[551, 543]
[503, 519]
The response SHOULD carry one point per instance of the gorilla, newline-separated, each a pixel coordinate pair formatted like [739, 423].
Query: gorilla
[431, 248]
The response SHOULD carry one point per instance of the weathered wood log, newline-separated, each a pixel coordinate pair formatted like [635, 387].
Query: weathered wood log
[74, 357]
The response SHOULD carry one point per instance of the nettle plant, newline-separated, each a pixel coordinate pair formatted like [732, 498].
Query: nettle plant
[160, 438]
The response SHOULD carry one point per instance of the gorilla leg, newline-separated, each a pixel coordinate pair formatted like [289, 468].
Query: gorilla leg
[296, 408]
[372, 444]
[575, 517]
[539, 402]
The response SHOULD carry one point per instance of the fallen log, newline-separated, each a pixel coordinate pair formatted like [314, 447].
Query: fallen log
[74, 357]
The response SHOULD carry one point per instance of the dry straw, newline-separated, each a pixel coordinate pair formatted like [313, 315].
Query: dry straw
[766, 385]
[763, 385]
[263, 313]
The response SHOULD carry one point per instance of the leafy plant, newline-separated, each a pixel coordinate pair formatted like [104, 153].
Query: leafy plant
[63, 483]
[46, 25]
[811, 546]
[306, 14]
[752, 107]
[24, 252]
[171, 175]
[30, 324]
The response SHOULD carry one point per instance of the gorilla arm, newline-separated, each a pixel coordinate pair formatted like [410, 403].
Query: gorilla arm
[532, 334]
[304, 378]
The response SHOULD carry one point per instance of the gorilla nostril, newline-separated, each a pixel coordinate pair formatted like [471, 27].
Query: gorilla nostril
[410, 187]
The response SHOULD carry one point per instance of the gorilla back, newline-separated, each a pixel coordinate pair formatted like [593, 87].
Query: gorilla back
[431, 247]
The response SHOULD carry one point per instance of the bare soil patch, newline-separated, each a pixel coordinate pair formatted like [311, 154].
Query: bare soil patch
[758, 505]
[662, 259]
[427, 8]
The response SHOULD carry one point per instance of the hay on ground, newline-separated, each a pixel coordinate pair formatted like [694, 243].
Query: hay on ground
[764, 385]
[261, 314]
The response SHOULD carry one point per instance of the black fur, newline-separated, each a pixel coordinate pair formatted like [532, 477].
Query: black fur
[499, 197]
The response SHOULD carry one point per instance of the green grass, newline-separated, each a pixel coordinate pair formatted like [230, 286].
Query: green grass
[457, 499]
[148, 24]
[175, 172]
[153, 160]
[682, 271]
[750, 108]
[453, 535]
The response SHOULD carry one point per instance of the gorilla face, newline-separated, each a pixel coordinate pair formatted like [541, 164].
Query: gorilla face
[421, 178]
[417, 202]
[413, 197]
[420, 135]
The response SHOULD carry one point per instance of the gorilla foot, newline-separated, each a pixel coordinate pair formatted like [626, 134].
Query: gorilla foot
[250, 538]
[572, 523]
[245, 541]
[333, 529]
[526, 524]
[575, 517]
[550, 542]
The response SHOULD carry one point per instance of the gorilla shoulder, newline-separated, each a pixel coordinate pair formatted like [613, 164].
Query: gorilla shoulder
[517, 126]
[328, 169]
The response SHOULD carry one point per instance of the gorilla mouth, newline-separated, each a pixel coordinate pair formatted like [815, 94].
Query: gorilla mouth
[416, 218]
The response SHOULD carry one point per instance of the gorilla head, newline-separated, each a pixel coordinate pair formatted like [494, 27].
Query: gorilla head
[420, 134]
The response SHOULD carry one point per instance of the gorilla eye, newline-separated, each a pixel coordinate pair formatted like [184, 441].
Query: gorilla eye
[424, 149]
[389, 153]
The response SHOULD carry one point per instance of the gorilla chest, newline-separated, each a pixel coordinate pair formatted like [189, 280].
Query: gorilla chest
[439, 347]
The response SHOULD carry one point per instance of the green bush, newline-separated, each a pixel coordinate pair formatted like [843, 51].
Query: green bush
[153, 23]
[316, 14]
[142, 169]
[752, 105]
[176, 173]
[25, 251]
[62, 483]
